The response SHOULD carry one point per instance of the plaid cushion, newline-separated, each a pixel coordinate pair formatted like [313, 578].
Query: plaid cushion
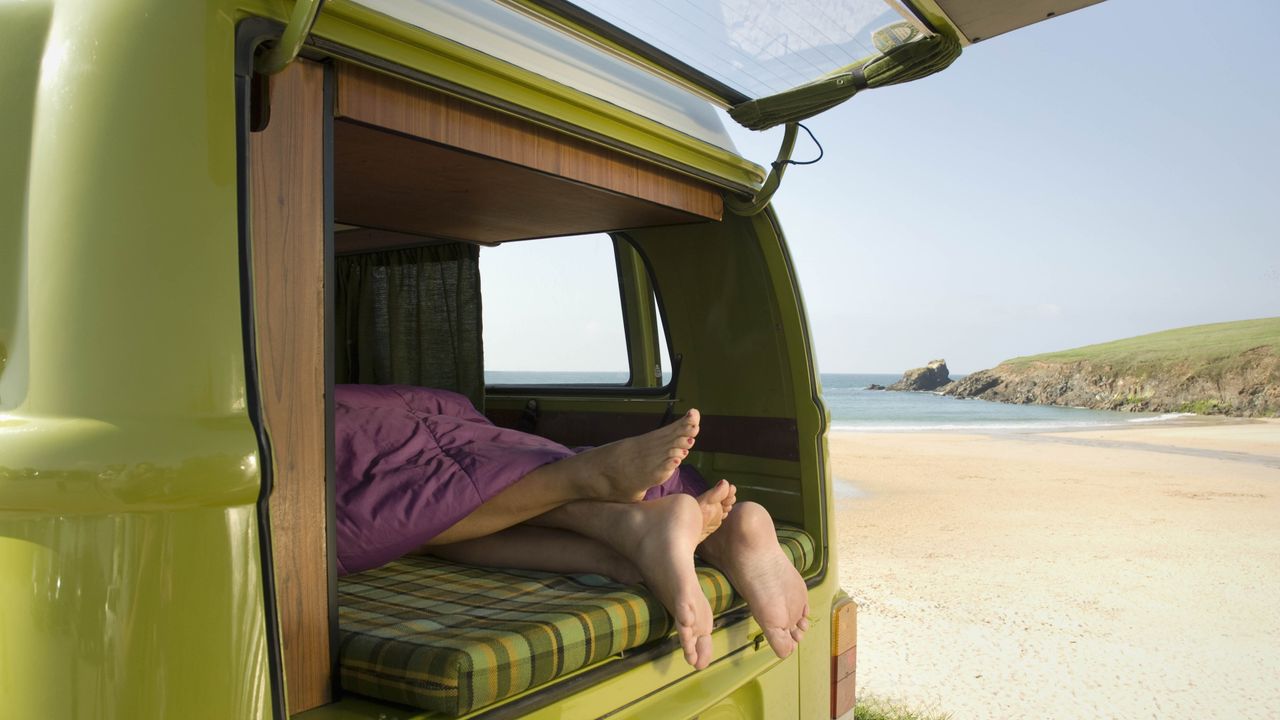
[452, 638]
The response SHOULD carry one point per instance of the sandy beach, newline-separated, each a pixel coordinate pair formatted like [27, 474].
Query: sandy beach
[1128, 573]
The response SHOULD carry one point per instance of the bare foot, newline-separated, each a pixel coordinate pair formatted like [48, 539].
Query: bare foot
[746, 549]
[625, 469]
[715, 505]
[659, 537]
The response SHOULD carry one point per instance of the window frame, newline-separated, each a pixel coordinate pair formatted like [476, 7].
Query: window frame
[630, 303]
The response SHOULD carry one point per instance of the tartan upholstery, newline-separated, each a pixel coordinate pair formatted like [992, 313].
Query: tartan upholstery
[453, 638]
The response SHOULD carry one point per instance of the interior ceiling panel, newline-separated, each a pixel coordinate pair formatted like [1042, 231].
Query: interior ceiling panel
[387, 181]
[982, 19]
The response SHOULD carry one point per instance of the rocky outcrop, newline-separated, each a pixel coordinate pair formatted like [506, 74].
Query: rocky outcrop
[930, 377]
[1244, 385]
[875, 386]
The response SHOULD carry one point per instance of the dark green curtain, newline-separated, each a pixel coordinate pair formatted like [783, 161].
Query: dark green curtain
[411, 317]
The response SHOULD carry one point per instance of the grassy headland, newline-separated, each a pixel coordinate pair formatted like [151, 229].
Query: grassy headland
[1224, 368]
[1199, 344]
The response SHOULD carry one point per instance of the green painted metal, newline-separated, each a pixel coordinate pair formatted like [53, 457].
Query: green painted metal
[640, 317]
[130, 579]
[773, 182]
[23, 30]
[290, 43]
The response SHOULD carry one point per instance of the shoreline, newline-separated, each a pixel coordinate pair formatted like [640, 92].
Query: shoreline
[1123, 571]
[1052, 426]
[1195, 436]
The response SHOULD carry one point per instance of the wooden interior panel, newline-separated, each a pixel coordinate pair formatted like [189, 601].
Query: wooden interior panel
[382, 101]
[286, 177]
[388, 181]
[363, 240]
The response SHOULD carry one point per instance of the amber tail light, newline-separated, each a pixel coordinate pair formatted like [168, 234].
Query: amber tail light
[844, 654]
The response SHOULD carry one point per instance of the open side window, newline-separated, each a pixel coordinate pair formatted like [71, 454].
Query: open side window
[367, 193]
[355, 179]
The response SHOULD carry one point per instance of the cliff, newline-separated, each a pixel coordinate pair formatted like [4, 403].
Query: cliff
[1219, 369]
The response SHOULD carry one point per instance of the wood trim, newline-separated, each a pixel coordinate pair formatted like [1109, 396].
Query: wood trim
[365, 240]
[382, 101]
[392, 182]
[286, 185]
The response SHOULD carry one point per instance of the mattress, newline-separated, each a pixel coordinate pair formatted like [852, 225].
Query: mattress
[454, 638]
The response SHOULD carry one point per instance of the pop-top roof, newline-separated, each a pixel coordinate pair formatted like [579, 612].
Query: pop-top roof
[753, 47]
[674, 61]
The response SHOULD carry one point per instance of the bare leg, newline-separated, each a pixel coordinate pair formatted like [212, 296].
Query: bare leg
[746, 549]
[659, 537]
[625, 469]
[619, 471]
[527, 547]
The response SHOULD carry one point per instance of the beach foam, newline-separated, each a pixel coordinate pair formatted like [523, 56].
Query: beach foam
[1161, 418]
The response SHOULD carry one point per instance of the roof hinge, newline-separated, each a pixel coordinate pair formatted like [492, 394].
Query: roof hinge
[286, 49]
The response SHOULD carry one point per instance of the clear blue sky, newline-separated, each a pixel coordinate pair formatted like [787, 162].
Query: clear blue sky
[1108, 173]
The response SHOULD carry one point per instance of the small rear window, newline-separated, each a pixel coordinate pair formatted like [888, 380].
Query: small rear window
[553, 313]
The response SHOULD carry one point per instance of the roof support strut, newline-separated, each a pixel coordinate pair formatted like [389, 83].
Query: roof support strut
[756, 204]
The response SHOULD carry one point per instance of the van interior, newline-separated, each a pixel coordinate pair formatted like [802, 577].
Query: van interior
[372, 200]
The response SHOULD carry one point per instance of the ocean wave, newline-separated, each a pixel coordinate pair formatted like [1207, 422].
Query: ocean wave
[1161, 418]
[1036, 425]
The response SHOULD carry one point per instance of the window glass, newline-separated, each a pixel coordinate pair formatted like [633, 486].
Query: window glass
[553, 313]
[759, 47]
[506, 32]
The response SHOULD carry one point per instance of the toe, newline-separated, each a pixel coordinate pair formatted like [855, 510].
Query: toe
[689, 643]
[781, 641]
[718, 492]
[704, 652]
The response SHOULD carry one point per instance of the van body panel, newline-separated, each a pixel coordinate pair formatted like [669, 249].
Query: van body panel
[129, 551]
[133, 615]
[23, 31]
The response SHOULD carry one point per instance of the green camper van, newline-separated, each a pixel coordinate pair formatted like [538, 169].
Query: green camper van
[211, 213]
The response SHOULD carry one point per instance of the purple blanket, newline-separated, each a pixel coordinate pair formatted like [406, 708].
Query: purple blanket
[411, 462]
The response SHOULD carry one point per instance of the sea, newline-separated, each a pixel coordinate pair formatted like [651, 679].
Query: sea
[854, 408]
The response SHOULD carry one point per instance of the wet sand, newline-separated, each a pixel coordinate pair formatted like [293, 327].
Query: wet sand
[1130, 573]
